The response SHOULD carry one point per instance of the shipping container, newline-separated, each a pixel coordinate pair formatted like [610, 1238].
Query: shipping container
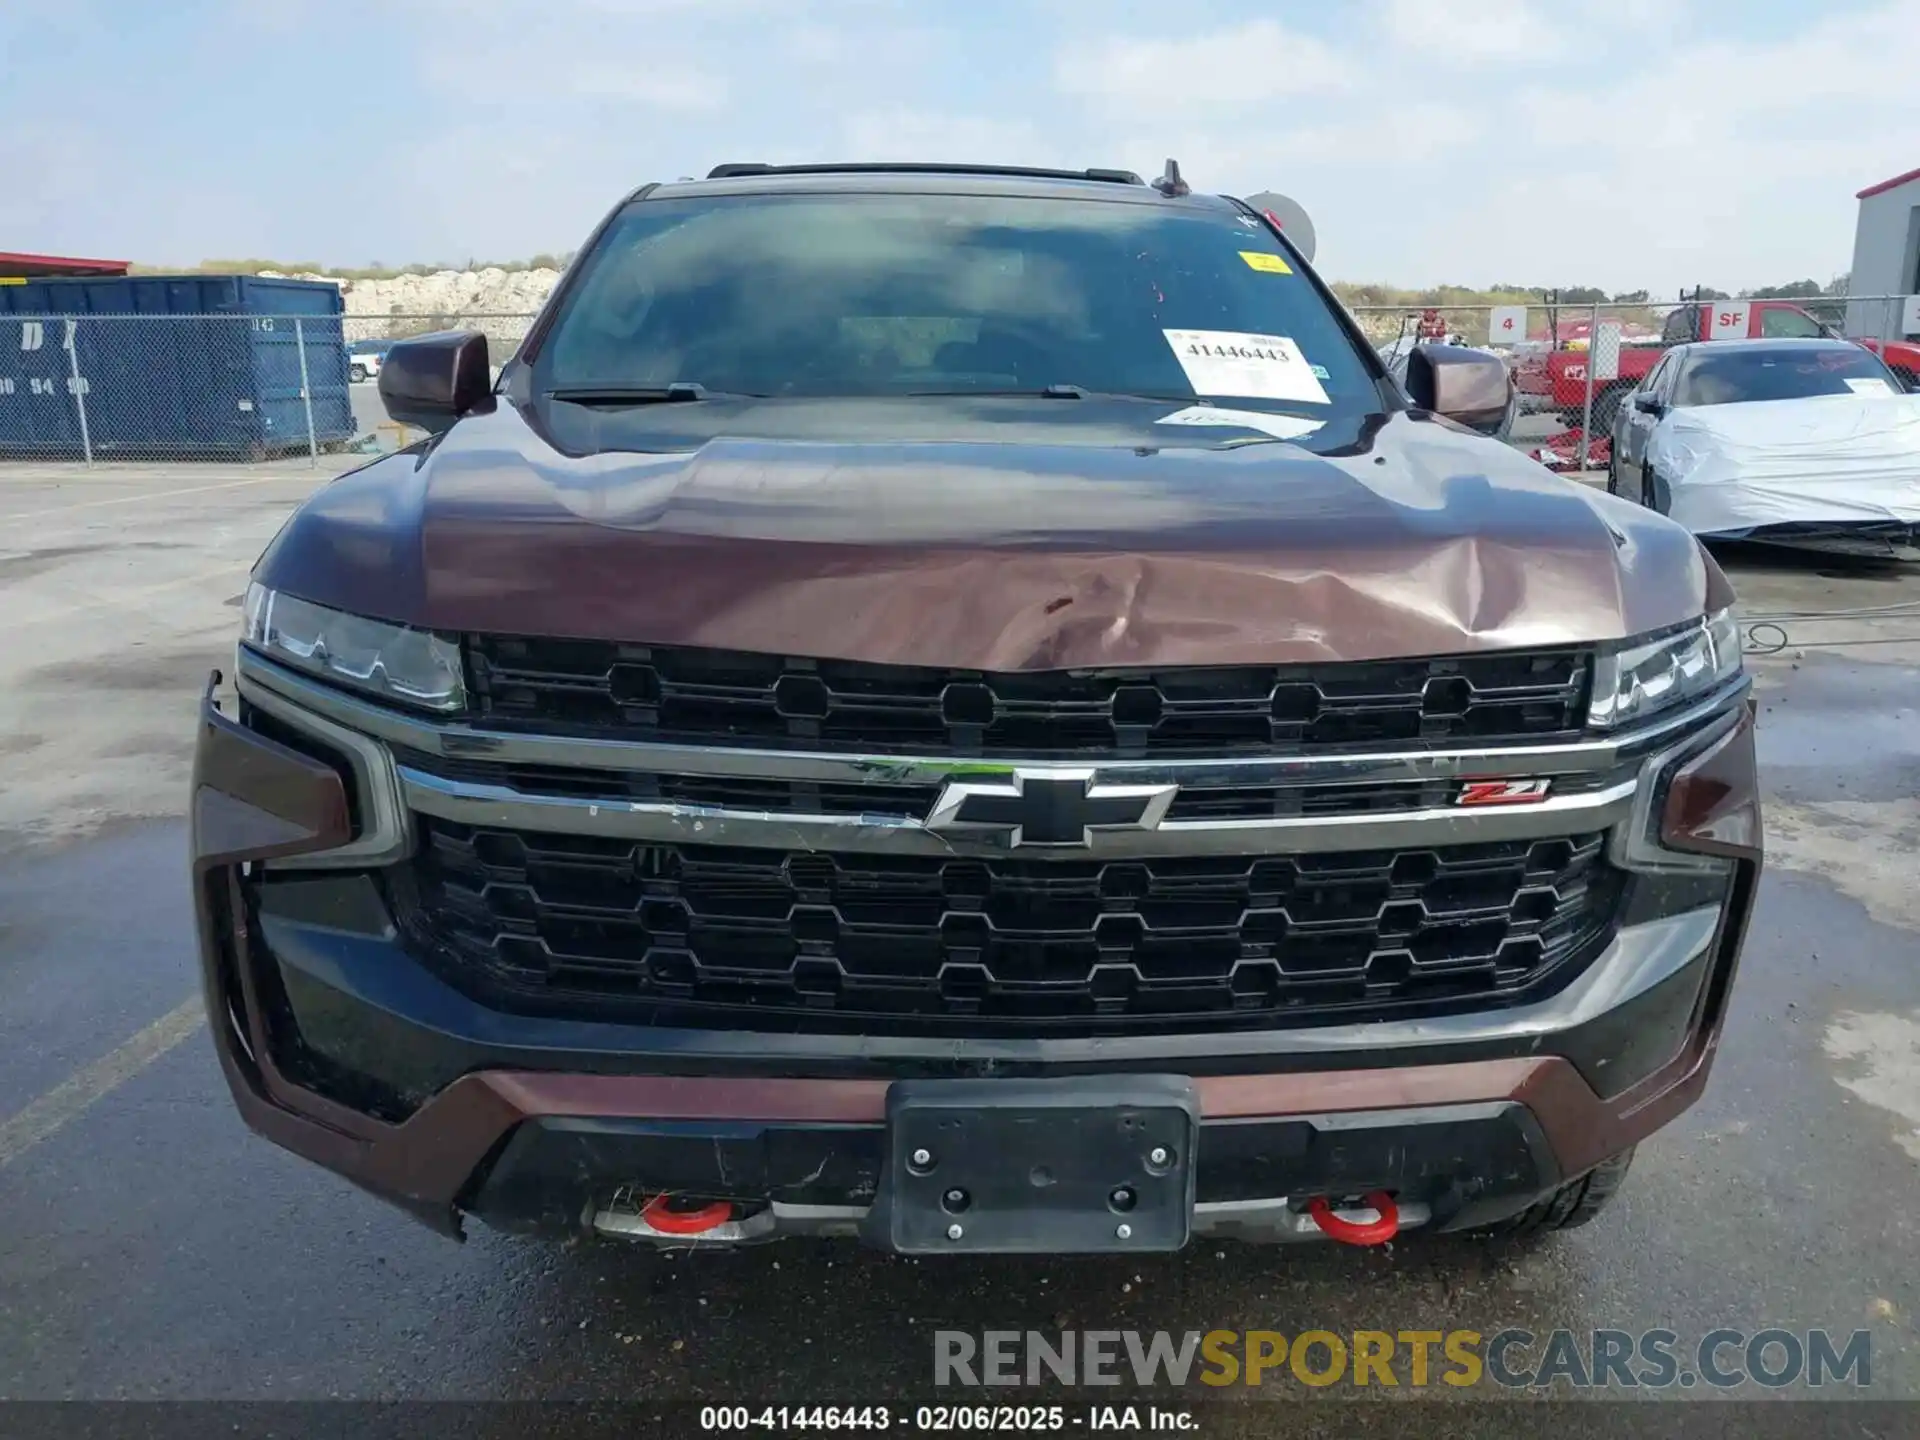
[171, 366]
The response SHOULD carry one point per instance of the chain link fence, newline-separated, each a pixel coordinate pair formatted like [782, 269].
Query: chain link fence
[251, 387]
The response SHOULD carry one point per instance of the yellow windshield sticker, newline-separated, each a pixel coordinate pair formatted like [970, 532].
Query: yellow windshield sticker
[1260, 260]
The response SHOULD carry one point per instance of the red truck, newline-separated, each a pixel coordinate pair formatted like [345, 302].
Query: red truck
[1563, 378]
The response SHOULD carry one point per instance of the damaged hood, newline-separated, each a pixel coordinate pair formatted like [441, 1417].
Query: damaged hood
[1827, 459]
[1051, 534]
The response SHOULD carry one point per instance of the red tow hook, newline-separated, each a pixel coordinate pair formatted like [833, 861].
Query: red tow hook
[660, 1214]
[1358, 1232]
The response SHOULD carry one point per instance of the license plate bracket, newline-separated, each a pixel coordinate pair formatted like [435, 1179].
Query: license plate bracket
[1055, 1166]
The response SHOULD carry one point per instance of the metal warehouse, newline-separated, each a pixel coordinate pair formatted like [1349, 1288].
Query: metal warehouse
[1886, 256]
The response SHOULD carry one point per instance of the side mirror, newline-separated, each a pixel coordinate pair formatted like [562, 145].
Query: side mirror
[1470, 387]
[430, 381]
[1647, 404]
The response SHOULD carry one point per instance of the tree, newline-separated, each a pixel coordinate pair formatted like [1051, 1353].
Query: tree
[1631, 297]
[1582, 295]
[1792, 290]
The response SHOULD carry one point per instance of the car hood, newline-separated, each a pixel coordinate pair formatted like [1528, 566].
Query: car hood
[1024, 544]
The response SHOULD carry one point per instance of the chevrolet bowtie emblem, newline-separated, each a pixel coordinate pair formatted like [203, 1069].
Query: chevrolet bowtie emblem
[1048, 807]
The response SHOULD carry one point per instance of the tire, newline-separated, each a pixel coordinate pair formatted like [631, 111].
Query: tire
[1613, 474]
[1569, 1207]
[357, 374]
[1655, 494]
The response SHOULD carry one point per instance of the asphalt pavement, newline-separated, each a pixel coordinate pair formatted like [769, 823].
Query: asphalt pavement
[151, 1248]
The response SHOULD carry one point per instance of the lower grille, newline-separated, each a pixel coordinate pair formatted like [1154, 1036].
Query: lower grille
[753, 938]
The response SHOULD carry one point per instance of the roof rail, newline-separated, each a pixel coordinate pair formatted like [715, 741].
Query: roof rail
[750, 167]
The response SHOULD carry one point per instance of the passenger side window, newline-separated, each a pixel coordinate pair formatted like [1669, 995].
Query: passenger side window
[1788, 325]
[1656, 380]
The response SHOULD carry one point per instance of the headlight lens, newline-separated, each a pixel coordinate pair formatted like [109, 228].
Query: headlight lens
[392, 662]
[1641, 680]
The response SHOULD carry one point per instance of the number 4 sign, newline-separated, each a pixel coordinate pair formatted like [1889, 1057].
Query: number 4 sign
[1509, 325]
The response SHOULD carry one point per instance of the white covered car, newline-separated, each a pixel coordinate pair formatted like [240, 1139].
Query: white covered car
[1809, 442]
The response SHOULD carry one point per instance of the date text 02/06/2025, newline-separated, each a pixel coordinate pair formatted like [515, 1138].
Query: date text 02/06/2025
[945, 1419]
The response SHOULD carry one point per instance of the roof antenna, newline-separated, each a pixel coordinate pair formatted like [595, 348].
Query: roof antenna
[1170, 182]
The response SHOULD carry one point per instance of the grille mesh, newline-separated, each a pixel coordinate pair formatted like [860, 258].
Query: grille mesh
[750, 937]
[724, 697]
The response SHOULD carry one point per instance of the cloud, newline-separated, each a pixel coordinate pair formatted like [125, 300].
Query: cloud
[905, 134]
[1472, 32]
[1245, 67]
[1623, 143]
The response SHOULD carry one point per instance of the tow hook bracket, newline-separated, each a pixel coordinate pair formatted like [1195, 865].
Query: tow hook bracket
[1354, 1231]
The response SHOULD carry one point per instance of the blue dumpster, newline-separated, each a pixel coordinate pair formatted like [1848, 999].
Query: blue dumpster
[171, 367]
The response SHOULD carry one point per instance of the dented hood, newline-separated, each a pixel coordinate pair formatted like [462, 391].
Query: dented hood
[1047, 535]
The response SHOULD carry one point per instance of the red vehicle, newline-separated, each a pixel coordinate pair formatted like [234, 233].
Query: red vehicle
[1565, 378]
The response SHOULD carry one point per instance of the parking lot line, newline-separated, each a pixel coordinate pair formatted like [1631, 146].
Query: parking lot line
[137, 499]
[127, 597]
[73, 1096]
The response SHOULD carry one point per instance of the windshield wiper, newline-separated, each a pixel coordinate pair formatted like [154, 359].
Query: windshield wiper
[1053, 392]
[680, 390]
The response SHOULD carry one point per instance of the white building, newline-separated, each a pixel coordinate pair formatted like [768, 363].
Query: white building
[1886, 256]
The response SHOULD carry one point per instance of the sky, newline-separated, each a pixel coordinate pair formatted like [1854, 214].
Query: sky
[1622, 143]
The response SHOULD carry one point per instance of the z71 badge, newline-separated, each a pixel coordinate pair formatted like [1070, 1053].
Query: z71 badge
[1503, 792]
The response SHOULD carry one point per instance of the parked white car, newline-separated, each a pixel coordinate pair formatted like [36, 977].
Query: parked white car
[1809, 442]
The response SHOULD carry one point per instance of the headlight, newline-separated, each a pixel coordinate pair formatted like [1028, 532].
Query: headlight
[392, 662]
[1640, 680]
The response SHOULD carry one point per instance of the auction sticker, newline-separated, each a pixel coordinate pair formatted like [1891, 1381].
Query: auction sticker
[1261, 260]
[1280, 427]
[1870, 385]
[1232, 362]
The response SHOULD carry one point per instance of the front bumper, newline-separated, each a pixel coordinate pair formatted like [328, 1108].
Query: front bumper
[337, 1044]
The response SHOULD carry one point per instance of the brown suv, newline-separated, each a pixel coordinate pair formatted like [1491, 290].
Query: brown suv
[962, 706]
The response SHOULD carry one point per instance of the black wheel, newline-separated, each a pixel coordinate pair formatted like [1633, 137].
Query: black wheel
[1613, 474]
[1569, 1207]
[1654, 492]
[356, 373]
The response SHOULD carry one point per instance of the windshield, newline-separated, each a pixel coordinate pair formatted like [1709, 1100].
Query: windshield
[873, 295]
[1731, 376]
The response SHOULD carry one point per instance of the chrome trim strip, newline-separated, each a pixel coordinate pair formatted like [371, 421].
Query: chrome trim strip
[660, 822]
[462, 741]
[386, 824]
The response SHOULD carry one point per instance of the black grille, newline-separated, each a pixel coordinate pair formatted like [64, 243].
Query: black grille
[724, 697]
[761, 938]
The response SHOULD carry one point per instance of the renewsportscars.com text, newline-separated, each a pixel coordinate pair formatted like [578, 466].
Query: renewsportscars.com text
[1514, 1358]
